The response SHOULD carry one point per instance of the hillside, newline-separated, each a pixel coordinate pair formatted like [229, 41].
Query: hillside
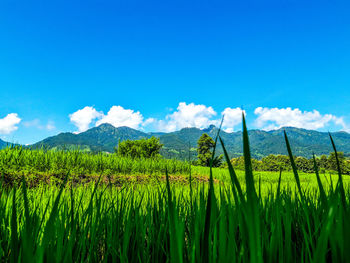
[2, 144]
[180, 144]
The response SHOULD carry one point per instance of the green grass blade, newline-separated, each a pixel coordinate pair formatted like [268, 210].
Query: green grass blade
[233, 175]
[252, 209]
[27, 237]
[294, 167]
[249, 179]
[340, 185]
[279, 184]
[175, 232]
[320, 186]
[14, 232]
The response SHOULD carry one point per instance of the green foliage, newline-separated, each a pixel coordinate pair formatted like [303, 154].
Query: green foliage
[277, 162]
[50, 164]
[144, 148]
[205, 146]
[105, 138]
[332, 163]
[204, 149]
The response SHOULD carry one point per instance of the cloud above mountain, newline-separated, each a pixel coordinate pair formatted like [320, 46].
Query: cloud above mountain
[275, 118]
[84, 117]
[118, 116]
[187, 115]
[49, 126]
[197, 115]
[9, 123]
[201, 116]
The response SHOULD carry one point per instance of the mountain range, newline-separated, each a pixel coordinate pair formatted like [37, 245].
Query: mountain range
[182, 144]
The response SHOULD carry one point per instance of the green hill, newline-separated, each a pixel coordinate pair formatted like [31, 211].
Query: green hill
[2, 144]
[180, 144]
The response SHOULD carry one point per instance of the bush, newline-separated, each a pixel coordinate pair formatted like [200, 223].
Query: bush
[144, 148]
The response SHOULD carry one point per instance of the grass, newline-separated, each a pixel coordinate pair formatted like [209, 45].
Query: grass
[236, 217]
[53, 165]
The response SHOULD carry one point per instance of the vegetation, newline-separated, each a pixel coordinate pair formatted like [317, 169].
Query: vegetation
[277, 162]
[49, 165]
[205, 151]
[176, 144]
[216, 222]
[144, 148]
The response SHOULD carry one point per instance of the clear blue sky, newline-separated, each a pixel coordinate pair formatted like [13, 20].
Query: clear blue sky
[57, 57]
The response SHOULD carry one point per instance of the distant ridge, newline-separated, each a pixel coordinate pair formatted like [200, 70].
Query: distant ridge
[2, 144]
[178, 144]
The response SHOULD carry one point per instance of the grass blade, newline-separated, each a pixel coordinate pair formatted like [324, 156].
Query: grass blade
[294, 167]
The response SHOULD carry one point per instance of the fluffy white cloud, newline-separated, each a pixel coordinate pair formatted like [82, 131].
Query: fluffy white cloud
[185, 115]
[275, 118]
[9, 123]
[232, 117]
[194, 115]
[84, 117]
[188, 115]
[118, 116]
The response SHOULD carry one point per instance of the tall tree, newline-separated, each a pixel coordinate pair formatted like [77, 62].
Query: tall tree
[205, 151]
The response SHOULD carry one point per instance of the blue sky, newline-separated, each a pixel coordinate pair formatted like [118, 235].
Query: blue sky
[163, 65]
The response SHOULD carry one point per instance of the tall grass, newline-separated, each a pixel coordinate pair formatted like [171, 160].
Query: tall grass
[18, 160]
[206, 223]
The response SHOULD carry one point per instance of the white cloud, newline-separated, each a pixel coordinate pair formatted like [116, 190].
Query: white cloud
[188, 115]
[196, 115]
[275, 118]
[9, 123]
[118, 116]
[185, 115]
[32, 123]
[232, 117]
[50, 126]
[84, 117]
[149, 121]
[36, 123]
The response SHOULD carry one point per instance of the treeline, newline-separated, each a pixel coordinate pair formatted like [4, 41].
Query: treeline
[277, 162]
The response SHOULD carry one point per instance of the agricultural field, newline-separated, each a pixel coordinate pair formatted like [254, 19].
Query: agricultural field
[58, 206]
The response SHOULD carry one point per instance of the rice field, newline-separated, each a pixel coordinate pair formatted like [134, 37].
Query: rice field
[232, 217]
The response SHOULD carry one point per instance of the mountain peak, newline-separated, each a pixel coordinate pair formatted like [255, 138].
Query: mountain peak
[105, 125]
[210, 128]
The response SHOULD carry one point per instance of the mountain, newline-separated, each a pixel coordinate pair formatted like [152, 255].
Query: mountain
[102, 138]
[182, 143]
[2, 144]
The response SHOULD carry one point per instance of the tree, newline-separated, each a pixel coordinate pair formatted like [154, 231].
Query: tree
[204, 150]
[304, 164]
[275, 162]
[144, 148]
[323, 162]
[238, 163]
[332, 162]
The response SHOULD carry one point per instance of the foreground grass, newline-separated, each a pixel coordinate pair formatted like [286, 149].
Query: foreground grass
[135, 225]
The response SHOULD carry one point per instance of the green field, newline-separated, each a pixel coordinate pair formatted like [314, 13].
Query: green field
[60, 206]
